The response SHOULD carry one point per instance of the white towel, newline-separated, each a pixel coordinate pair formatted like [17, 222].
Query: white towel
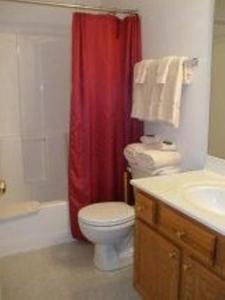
[132, 150]
[163, 69]
[166, 171]
[150, 140]
[146, 96]
[168, 146]
[155, 142]
[188, 73]
[155, 159]
[136, 171]
[161, 102]
[170, 98]
[146, 158]
[140, 71]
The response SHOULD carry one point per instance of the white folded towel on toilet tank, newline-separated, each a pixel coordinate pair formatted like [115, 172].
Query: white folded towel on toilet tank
[156, 159]
[145, 157]
[132, 150]
[157, 143]
[166, 171]
[150, 140]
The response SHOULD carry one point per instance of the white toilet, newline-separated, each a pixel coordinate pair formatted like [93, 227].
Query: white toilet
[109, 226]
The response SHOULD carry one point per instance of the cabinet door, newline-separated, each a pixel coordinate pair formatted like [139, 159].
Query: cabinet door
[199, 283]
[156, 268]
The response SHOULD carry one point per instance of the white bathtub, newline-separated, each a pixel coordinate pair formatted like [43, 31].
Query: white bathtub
[46, 227]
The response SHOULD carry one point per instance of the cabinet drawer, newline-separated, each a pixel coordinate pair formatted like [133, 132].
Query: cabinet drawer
[196, 238]
[145, 208]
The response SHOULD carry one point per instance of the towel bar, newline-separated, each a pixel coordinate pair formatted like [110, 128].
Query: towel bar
[192, 61]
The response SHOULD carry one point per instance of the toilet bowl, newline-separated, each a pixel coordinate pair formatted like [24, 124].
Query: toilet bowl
[109, 226]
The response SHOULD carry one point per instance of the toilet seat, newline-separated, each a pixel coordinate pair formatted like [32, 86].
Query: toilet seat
[106, 214]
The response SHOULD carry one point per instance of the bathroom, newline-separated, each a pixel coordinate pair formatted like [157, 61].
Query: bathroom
[39, 258]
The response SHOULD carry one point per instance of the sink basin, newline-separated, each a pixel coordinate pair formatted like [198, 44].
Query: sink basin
[209, 198]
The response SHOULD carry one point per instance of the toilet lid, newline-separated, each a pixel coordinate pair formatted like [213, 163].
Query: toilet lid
[107, 213]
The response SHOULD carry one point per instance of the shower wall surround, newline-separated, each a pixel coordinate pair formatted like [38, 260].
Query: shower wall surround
[35, 99]
[34, 114]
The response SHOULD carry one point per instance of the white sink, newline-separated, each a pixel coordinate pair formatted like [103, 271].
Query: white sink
[206, 197]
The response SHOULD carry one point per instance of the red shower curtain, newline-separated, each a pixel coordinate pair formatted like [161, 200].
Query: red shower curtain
[104, 51]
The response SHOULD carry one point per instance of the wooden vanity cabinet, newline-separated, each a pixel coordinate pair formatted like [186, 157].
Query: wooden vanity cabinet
[199, 283]
[175, 257]
[156, 261]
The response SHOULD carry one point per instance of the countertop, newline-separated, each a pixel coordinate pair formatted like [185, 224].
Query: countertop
[171, 190]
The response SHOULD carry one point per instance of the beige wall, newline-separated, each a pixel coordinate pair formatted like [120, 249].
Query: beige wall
[217, 107]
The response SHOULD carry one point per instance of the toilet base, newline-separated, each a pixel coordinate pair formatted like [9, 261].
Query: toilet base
[108, 258]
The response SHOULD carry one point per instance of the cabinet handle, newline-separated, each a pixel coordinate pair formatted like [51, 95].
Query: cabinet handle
[187, 267]
[173, 254]
[180, 234]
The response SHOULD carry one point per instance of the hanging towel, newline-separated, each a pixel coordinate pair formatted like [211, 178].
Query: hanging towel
[188, 72]
[164, 65]
[140, 71]
[158, 99]
[163, 69]
[145, 96]
[170, 97]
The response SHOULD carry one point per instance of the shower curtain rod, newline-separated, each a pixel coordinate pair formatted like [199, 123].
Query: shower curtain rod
[110, 10]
